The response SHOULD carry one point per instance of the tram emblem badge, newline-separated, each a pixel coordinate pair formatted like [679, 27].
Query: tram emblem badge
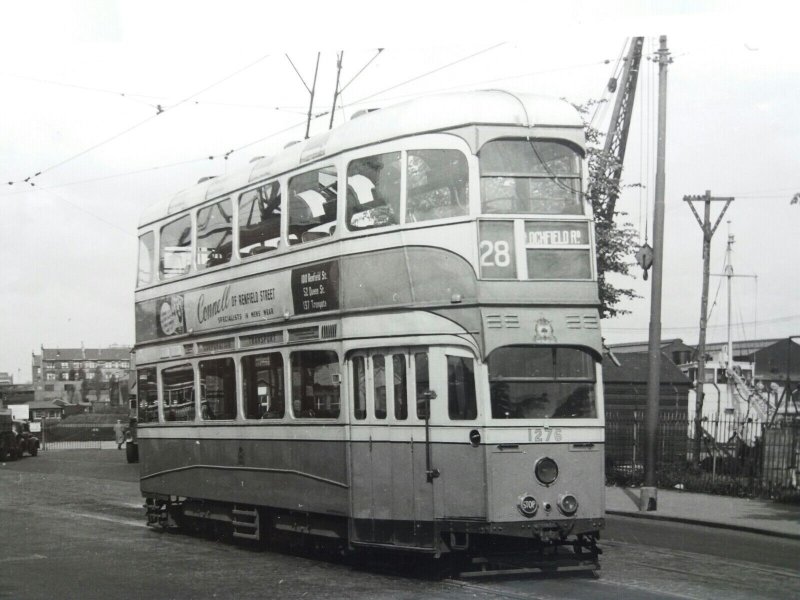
[543, 331]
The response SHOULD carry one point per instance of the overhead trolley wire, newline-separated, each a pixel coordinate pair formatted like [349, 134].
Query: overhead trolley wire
[371, 60]
[126, 95]
[694, 327]
[431, 72]
[135, 126]
[614, 75]
[88, 212]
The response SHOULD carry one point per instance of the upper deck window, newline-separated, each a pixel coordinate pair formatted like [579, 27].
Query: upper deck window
[373, 191]
[214, 234]
[176, 247]
[146, 248]
[535, 382]
[260, 219]
[530, 177]
[437, 185]
[312, 205]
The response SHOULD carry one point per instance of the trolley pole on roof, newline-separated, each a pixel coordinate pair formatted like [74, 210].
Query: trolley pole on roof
[311, 100]
[648, 498]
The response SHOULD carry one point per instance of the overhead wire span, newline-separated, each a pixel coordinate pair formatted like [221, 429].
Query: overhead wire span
[303, 81]
[137, 125]
[614, 75]
[82, 209]
[126, 95]
[473, 84]
[170, 165]
[694, 327]
[113, 176]
[431, 72]
[369, 62]
[288, 109]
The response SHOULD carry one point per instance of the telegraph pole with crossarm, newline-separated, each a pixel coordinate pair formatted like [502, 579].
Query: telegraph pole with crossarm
[708, 233]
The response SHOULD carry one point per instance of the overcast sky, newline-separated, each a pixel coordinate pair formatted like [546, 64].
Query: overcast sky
[120, 104]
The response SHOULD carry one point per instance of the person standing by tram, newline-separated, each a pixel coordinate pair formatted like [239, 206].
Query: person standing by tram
[119, 434]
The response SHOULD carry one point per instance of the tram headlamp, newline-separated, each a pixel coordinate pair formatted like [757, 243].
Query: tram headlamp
[567, 504]
[546, 470]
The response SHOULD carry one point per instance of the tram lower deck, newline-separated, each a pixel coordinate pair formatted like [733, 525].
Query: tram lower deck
[454, 493]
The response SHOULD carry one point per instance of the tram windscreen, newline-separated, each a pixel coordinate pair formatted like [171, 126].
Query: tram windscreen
[530, 177]
[539, 382]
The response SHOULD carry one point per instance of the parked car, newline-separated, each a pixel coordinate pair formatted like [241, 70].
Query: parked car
[26, 441]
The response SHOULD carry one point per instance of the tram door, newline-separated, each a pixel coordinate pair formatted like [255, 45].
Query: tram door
[391, 498]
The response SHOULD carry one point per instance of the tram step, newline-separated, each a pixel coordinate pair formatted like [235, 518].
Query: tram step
[245, 523]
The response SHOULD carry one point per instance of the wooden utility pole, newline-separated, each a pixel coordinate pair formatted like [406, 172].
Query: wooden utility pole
[648, 499]
[708, 233]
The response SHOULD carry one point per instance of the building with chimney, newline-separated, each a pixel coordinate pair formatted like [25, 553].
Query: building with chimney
[81, 375]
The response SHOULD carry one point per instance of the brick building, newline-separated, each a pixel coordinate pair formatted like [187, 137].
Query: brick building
[81, 375]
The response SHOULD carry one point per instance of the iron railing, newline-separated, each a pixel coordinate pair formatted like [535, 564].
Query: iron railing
[744, 457]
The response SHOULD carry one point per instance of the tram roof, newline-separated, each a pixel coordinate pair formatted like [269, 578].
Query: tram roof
[427, 114]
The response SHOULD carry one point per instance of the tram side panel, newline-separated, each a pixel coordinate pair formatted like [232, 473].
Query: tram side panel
[301, 475]
[392, 501]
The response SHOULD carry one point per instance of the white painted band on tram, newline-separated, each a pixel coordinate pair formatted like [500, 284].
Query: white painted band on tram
[258, 469]
[339, 432]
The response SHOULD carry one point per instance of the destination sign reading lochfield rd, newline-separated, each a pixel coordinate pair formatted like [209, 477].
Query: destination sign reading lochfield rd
[556, 233]
[554, 238]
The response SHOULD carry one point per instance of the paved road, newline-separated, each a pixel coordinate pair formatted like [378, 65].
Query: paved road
[72, 527]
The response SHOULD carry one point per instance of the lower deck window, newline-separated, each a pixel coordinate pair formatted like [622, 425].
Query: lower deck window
[423, 384]
[177, 385]
[400, 387]
[535, 382]
[379, 382]
[263, 386]
[217, 389]
[359, 388]
[147, 392]
[461, 401]
[315, 386]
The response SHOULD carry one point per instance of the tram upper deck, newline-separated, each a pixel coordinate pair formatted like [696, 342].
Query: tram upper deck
[453, 201]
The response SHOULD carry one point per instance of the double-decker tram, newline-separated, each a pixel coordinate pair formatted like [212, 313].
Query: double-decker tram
[387, 336]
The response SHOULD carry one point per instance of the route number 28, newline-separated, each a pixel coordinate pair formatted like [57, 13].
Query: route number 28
[495, 254]
[496, 250]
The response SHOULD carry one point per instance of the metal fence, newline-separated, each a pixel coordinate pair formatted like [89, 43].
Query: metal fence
[55, 436]
[738, 457]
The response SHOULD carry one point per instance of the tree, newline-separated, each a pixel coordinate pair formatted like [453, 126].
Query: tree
[98, 381]
[123, 391]
[615, 239]
[113, 390]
